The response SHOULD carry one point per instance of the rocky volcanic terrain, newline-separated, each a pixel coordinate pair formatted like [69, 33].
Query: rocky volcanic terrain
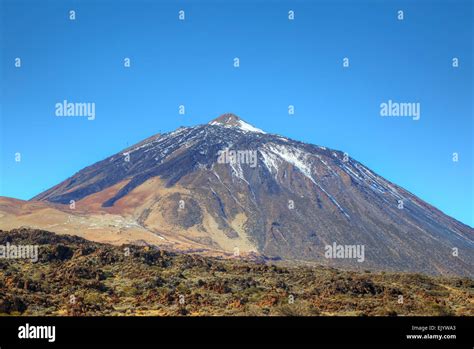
[171, 191]
[74, 276]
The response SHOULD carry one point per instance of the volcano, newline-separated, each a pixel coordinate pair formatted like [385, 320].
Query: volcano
[289, 204]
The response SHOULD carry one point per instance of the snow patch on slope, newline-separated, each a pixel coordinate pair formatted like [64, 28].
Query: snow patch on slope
[273, 154]
[241, 125]
[270, 160]
[238, 171]
[294, 156]
[247, 127]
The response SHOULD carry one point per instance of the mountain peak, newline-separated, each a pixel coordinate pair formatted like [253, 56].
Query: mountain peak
[226, 119]
[229, 120]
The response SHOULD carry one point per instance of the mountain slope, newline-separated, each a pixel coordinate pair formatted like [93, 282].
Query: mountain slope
[297, 199]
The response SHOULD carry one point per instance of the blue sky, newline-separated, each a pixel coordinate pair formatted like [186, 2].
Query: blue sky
[282, 62]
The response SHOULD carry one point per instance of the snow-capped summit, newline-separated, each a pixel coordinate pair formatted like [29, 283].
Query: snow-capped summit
[230, 120]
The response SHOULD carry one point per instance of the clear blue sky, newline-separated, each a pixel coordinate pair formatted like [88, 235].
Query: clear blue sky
[282, 63]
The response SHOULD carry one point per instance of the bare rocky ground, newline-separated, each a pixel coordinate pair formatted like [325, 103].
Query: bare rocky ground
[74, 276]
